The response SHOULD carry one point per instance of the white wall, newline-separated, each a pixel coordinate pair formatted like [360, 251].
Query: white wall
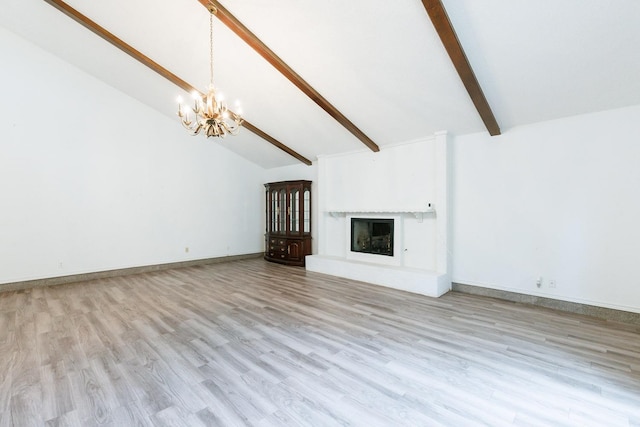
[292, 173]
[400, 177]
[559, 199]
[92, 180]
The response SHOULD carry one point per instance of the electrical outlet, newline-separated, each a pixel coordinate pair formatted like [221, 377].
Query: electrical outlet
[539, 282]
[552, 283]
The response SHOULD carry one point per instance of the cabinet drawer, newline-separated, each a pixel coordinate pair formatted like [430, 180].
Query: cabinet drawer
[280, 242]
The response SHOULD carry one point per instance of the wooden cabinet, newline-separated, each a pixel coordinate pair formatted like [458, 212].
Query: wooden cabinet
[288, 222]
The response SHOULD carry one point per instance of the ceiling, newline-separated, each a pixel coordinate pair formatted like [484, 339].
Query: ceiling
[380, 63]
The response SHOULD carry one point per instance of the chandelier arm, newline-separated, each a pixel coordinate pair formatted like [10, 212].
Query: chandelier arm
[191, 129]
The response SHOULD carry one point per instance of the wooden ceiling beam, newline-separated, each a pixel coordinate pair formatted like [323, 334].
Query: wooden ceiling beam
[140, 57]
[275, 142]
[447, 34]
[256, 44]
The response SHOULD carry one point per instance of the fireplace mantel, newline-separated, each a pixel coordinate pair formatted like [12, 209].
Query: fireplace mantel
[418, 213]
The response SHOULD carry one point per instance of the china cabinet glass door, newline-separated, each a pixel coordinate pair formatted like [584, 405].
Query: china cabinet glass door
[306, 215]
[282, 211]
[294, 205]
[273, 214]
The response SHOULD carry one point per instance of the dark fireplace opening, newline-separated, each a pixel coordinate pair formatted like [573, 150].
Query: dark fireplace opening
[372, 236]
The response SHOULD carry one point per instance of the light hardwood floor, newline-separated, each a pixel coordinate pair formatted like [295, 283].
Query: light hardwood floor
[254, 343]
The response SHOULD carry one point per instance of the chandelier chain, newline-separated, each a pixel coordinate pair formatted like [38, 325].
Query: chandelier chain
[211, 48]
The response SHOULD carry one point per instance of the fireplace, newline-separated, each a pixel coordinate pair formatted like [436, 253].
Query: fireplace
[372, 236]
[405, 179]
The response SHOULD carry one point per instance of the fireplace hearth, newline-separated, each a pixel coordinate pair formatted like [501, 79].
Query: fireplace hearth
[372, 236]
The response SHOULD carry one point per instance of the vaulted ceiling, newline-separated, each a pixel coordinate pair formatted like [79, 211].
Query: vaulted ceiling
[380, 64]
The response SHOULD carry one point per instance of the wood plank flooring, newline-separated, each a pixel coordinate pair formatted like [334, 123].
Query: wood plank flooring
[259, 344]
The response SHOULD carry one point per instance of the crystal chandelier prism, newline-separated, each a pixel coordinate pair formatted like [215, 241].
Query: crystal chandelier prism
[210, 112]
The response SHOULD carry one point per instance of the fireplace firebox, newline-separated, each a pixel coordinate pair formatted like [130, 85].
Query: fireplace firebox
[372, 236]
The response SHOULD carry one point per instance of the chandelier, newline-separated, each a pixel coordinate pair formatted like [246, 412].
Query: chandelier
[211, 114]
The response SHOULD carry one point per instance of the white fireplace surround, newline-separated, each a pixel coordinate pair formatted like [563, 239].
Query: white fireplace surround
[410, 188]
